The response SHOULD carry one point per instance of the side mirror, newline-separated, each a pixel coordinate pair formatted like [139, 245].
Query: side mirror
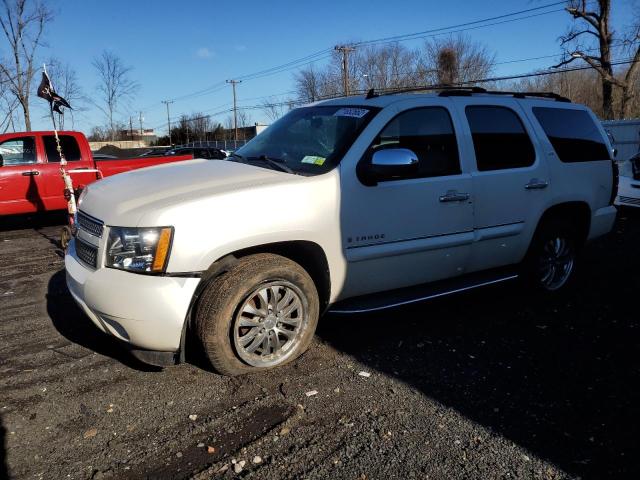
[393, 163]
[614, 151]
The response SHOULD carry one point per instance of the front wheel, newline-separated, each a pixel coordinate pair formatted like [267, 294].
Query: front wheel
[260, 314]
[552, 258]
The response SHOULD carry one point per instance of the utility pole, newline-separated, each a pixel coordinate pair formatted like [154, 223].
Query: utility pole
[345, 49]
[167, 102]
[130, 127]
[141, 131]
[235, 110]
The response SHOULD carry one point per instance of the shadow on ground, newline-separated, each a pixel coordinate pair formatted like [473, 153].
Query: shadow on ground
[75, 326]
[4, 471]
[557, 376]
[33, 221]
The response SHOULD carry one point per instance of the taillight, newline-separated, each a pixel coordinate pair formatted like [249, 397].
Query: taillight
[615, 177]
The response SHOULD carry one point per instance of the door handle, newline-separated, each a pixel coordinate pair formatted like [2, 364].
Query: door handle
[30, 173]
[454, 196]
[536, 184]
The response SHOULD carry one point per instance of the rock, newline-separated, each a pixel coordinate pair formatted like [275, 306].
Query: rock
[237, 467]
[92, 432]
[193, 417]
[200, 445]
[364, 374]
[257, 459]
[179, 454]
[311, 393]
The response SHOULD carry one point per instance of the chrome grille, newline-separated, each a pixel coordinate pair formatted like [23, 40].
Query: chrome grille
[630, 200]
[87, 253]
[90, 224]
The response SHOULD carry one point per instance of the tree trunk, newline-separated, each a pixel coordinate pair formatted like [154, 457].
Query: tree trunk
[607, 100]
[625, 102]
[27, 116]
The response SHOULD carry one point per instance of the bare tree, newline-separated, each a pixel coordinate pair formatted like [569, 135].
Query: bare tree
[8, 106]
[274, 108]
[65, 82]
[308, 84]
[115, 85]
[391, 66]
[384, 67]
[592, 26]
[23, 23]
[455, 60]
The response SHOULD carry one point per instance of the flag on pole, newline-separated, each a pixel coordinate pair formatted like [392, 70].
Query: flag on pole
[46, 91]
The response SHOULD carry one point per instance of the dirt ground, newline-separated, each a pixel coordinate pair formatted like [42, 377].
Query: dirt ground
[494, 383]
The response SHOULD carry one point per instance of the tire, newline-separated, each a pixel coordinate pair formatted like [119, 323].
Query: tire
[241, 328]
[552, 257]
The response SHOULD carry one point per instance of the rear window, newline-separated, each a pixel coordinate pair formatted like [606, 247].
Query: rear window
[573, 134]
[499, 138]
[69, 145]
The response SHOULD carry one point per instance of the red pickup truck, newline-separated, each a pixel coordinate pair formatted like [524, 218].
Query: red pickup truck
[30, 178]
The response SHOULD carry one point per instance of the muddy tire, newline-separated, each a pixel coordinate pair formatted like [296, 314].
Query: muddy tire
[260, 314]
[550, 263]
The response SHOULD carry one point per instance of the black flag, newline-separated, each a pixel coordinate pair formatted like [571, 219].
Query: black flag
[45, 90]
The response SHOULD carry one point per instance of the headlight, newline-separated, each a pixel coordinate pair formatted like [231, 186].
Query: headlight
[139, 249]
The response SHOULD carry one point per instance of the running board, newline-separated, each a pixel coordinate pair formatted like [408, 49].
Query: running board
[404, 296]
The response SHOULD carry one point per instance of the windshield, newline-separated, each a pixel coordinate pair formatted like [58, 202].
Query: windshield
[308, 140]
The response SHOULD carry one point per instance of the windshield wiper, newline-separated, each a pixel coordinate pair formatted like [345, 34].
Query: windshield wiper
[276, 163]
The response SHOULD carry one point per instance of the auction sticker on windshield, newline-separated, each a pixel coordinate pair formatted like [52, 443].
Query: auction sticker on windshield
[312, 159]
[351, 112]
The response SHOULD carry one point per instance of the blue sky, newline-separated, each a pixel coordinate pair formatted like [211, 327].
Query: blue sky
[177, 48]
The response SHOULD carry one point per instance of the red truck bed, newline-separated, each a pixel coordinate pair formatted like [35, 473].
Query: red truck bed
[30, 178]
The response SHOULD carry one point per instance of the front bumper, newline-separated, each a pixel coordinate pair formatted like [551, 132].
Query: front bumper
[628, 192]
[145, 311]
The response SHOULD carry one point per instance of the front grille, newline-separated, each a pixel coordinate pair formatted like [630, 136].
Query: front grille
[90, 225]
[87, 253]
[630, 200]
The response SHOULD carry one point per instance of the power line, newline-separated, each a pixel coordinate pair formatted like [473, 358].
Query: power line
[326, 53]
[407, 36]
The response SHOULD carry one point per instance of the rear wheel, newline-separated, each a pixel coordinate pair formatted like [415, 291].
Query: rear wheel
[552, 257]
[261, 314]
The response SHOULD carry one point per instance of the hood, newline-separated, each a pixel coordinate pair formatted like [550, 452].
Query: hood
[124, 198]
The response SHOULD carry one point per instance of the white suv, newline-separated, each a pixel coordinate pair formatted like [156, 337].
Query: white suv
[350, 205]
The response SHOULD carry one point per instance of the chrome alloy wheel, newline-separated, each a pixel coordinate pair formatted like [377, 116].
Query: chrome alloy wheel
[269, 324]
[556, 263]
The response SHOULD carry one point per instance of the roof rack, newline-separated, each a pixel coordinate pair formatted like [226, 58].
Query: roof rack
[372, 93]
[551, 95]
[457, 91]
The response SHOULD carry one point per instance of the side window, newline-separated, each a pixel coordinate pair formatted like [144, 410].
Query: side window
[69, 145]
[428, 132]
[573, 134]
[18, 151]
[499, 138]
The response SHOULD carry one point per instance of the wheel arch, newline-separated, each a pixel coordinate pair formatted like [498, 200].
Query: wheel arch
[577, 213]
[309, 255]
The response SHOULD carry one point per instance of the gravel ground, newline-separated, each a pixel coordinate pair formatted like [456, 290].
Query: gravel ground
[493, 383]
